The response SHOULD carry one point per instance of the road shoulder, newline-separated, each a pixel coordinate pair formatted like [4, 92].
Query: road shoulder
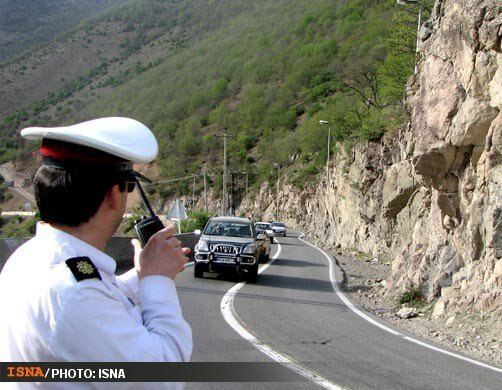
[473, 335]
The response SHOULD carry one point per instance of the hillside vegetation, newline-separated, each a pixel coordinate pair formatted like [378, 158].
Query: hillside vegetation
[267, 71]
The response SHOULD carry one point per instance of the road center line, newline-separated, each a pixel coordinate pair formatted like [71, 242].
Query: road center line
[229, 314]
[336, 288]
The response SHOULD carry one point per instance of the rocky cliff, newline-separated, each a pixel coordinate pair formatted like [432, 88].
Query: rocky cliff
[428, 200]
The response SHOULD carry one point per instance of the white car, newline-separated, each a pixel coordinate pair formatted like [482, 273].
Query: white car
[279, 228]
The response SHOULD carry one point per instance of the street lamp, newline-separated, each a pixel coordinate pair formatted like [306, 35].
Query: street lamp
[205, 189]
[417, 46]
[323, 122]
[224, 171]
[193, 193]
[277, 198]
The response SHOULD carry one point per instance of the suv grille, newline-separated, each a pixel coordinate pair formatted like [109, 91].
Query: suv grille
[225, 249]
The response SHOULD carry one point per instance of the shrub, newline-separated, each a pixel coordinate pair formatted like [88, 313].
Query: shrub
[412, 297]
[196, 220]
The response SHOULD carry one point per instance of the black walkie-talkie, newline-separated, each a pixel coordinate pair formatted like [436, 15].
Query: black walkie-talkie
[147, 227]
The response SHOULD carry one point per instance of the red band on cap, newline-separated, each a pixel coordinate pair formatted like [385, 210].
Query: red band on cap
[65, 151]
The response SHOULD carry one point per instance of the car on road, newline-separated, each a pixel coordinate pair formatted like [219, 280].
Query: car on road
[279, 228]
[264, 227]
[229, 245]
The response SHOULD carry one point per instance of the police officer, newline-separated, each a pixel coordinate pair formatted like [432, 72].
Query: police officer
[60, 300]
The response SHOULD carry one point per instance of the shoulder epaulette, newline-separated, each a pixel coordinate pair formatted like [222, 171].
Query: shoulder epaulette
[82, 268]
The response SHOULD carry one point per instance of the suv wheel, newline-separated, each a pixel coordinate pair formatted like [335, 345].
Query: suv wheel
[252, 275]
[198, 272]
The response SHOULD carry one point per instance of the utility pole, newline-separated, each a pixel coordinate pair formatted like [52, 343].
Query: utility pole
[247, 192]
[277, 197]
[225, 135]
[205, 190]
[232, 206]
[224, 171]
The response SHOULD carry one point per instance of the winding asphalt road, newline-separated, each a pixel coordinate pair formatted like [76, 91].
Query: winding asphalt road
[293, 313]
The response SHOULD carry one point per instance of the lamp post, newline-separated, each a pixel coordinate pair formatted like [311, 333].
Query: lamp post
[224, 171]
[277, 198]
[417, 46]
[193, 193]
[205, 190]
[323, 122]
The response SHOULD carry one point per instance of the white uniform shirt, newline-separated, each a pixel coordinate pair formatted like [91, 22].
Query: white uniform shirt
[47, 316]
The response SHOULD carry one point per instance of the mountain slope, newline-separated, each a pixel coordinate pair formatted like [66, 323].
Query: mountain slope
[25, 24]
[267, 71]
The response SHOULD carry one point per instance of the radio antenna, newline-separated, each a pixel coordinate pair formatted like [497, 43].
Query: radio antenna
[144, 199]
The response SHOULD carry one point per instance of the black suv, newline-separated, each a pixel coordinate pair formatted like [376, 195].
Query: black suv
[228, 244]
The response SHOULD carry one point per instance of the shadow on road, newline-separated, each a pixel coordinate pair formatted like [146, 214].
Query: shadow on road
[294, 283]
[297, 243]
[297, 263]
[205, 291]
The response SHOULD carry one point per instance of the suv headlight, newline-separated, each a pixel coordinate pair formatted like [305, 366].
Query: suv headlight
[202, 246]
[249, 249]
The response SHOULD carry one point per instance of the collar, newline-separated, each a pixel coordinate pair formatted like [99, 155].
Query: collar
[76, 246]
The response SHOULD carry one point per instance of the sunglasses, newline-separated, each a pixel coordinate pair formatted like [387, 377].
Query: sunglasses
[130, 185]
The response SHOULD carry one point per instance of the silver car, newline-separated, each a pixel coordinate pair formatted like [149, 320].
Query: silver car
[279, 228]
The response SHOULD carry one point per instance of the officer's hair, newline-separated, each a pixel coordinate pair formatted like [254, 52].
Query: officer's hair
[71, 198]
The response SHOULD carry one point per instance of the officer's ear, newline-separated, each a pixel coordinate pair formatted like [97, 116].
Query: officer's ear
[113, 197]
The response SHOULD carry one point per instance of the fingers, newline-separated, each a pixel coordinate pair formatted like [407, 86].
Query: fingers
[174, 242]
[165, 233]
[164, 254]
[136, 244]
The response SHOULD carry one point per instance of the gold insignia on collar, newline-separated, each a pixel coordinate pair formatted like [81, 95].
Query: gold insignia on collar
[85, 267]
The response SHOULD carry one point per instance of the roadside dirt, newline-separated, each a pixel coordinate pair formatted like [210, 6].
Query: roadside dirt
[473, 335]
[21, 195]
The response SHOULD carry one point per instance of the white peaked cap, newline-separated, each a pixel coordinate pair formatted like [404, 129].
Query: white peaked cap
[122, 137]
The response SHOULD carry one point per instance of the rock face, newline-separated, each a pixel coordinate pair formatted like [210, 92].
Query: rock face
[430, 199]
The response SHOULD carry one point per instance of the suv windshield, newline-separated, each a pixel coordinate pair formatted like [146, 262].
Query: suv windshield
[278, 224]
[261, 226]
[228, 229]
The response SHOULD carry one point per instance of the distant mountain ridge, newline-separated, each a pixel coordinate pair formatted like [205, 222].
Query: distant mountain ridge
[27, 23]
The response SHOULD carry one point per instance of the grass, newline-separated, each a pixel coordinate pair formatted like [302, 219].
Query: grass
[412, 298]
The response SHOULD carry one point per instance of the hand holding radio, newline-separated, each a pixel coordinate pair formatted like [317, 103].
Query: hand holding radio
[157, 252]
[162, 255]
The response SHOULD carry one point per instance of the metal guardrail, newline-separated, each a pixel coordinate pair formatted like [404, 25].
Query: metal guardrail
[119, 248]
[20, 213]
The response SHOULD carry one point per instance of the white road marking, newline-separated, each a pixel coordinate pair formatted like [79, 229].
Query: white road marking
[336, 287]
[229, 314]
